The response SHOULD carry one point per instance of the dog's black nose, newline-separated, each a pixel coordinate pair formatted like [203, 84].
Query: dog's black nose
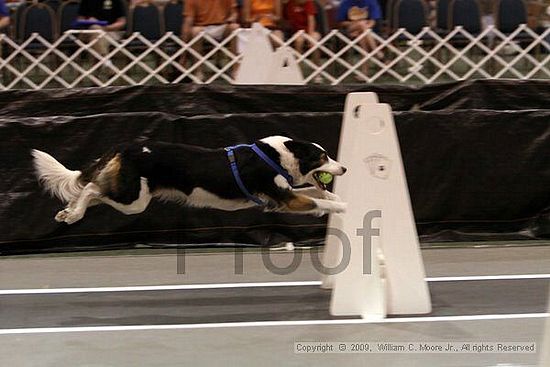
[344, 170]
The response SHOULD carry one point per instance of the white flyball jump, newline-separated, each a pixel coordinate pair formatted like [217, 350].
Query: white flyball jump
[261, 65]
[373, 247]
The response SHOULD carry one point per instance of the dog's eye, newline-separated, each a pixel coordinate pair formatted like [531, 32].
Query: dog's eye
[324, 157]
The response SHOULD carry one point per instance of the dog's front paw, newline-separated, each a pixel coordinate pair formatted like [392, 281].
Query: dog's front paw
[332, 196]
[318, 213]
[338, 207]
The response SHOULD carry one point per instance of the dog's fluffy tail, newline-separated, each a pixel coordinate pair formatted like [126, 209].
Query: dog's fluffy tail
[57, 179]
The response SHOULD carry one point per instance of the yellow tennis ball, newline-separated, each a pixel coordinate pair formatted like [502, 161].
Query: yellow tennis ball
[325, 177]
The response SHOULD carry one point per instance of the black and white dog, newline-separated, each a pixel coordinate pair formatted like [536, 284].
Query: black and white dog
[234, 178]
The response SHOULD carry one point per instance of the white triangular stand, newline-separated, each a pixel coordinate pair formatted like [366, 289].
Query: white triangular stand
[284, 69]
[385, 274]
[261, 65]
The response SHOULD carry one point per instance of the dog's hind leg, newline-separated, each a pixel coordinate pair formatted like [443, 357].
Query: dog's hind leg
[137, 206]
[77, 208]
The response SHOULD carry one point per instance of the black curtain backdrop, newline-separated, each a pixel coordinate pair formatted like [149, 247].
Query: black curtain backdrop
[476, 155]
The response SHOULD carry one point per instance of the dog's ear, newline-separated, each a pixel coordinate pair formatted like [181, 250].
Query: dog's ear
[300, 149]
[307, 154]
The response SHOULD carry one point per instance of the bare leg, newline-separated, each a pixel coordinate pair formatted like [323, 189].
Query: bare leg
[356, 29]
[197, 46]
[316, 54]
[232, 45]
[299, 46]
[278, 34]
[101, 45]
[364, 45]
[372, 45]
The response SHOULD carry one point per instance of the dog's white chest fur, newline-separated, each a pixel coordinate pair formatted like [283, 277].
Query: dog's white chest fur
[202, 198]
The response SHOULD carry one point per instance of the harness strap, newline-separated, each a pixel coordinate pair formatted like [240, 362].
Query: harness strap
[235, 169]
[237, 176]
[273, 165]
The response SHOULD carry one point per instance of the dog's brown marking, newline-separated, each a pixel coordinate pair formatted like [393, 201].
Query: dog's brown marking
[323, 159]
[300, 203]
[108, 178]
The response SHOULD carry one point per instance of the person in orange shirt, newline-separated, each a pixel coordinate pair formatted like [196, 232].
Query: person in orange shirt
[217, 18]
[266, 12]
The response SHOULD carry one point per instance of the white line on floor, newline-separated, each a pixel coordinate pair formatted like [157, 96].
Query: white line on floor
[174, 287]
[271, 323]
[465, 278]
[158, 287]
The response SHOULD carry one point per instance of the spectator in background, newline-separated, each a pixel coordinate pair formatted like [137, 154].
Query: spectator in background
[358, 16]
[4, 20]
[111, 11]
[217, 18]
[4, 16]
[487, 9]
[300, 15]
[265, 12]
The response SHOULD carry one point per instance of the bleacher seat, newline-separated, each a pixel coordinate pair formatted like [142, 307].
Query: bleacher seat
[389, 18]
[173, 17]
[410, 14]
[38, 18]
[442, 16]
[509, 14]
[16, 20]
[465, 13]
[146, 20]
[54, 4]
[67, 14]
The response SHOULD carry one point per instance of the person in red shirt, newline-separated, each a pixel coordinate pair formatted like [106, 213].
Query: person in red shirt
[300, 15]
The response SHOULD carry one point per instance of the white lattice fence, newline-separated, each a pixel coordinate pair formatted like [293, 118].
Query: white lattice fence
[423, 58]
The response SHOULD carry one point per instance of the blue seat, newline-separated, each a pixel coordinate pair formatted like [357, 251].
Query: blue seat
[411, 15]
[173, 17]
[465, 13]
[442, 16]
[147, 21]
[38, 18]
[389, 18]
[510, 14]
[54, 4]
[17, 16]
[67, 14]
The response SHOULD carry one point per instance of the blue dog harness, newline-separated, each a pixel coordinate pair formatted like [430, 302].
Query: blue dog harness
[235, 169]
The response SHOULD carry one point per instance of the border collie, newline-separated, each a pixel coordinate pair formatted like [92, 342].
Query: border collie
[233, 178]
